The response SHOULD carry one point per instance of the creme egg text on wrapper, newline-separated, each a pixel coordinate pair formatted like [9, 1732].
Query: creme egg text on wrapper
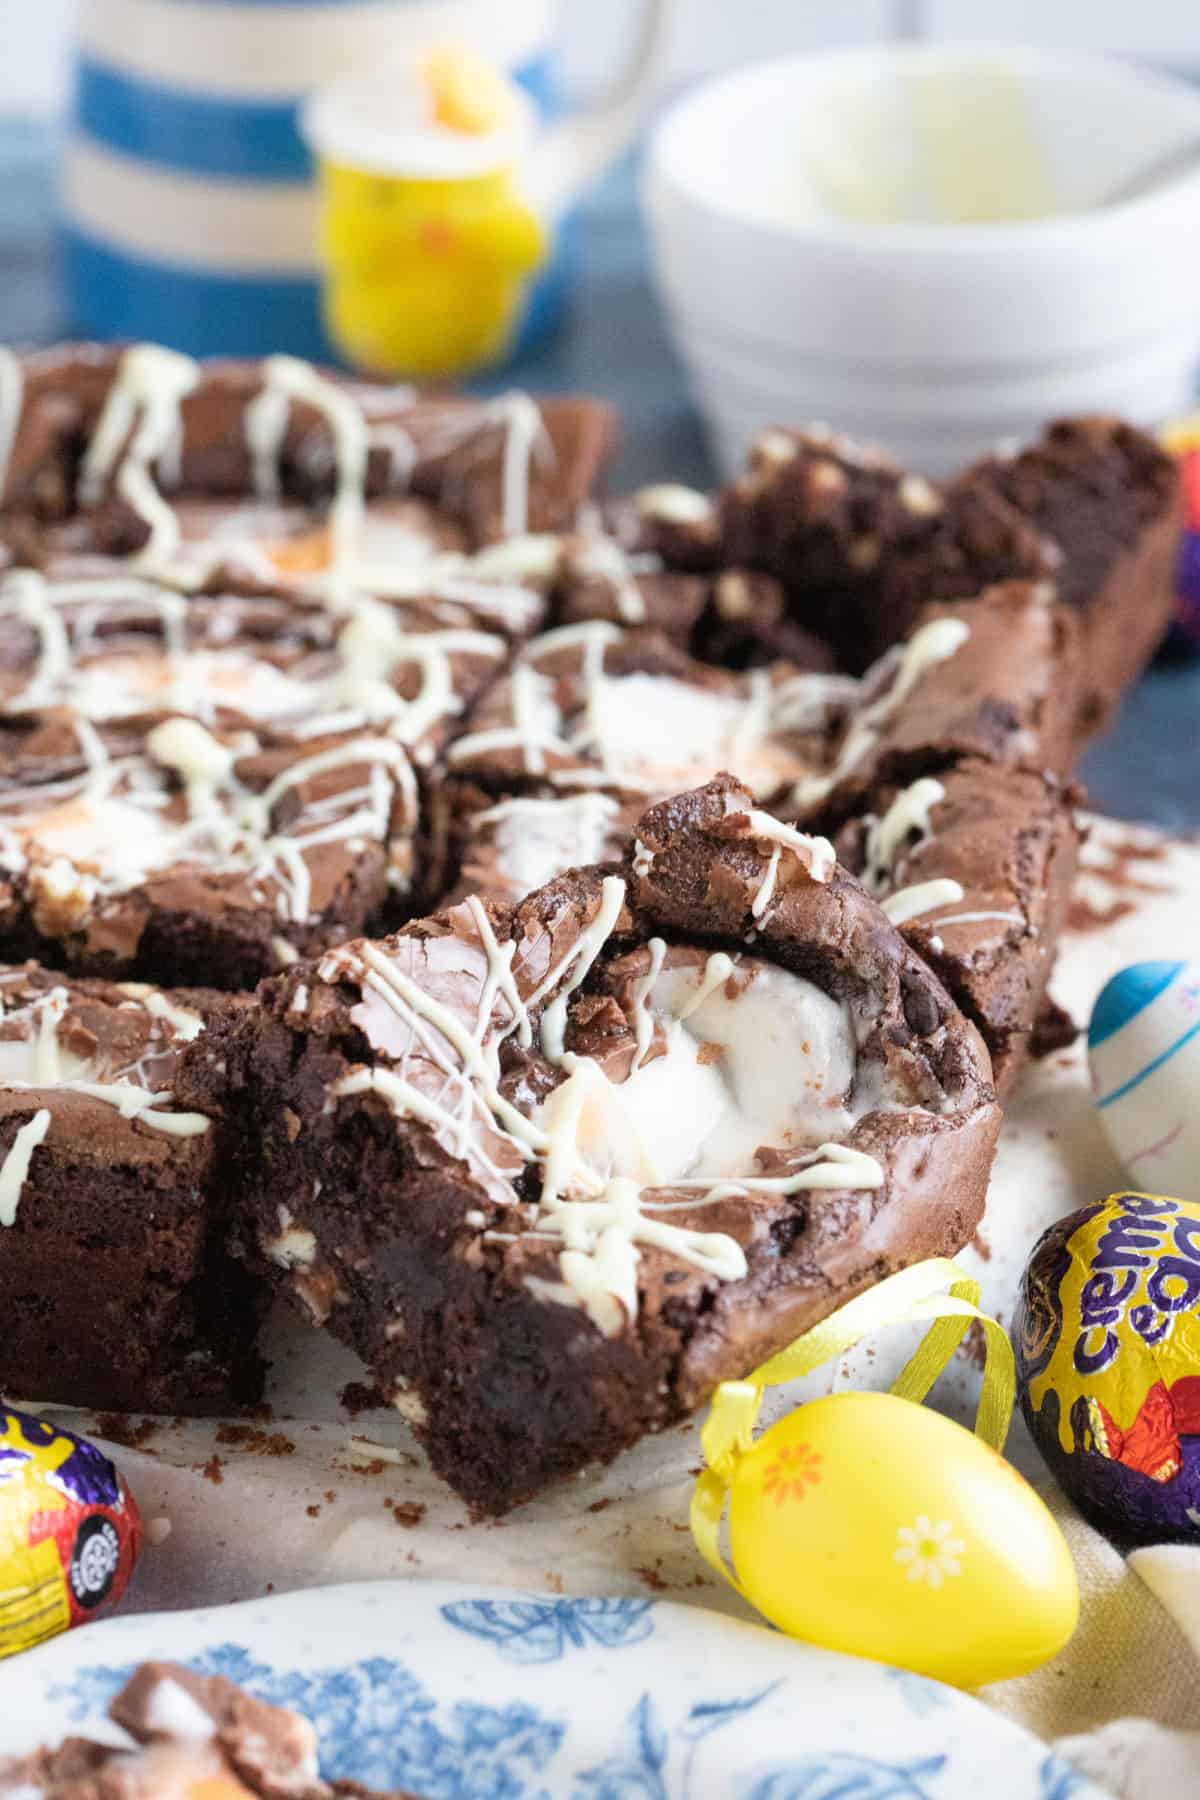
[1107, 1336]
[869, 1524]
[1144, 1054]
[69, 1531]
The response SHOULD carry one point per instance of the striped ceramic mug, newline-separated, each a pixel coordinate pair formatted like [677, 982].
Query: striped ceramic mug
[188, 194]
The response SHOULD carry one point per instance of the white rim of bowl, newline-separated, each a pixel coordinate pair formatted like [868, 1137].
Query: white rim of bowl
[663, 157]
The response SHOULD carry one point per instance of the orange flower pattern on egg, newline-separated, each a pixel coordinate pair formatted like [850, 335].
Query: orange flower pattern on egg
[796, 1469]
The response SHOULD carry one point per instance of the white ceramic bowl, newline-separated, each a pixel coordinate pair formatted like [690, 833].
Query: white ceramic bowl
[936, 339]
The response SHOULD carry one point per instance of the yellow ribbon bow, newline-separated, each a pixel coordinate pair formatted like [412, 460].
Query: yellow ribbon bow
[915, 1293]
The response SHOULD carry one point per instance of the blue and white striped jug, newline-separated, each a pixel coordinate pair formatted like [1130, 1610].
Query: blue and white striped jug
[188, 198]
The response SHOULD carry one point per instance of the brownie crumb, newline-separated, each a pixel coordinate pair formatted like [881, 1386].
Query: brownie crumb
[376, 1466]
[211, 1470]
[1053, 1029]
[974, 1345]
[131, 1433]
[314, 1512]
[599, 1505]
[257, 1442]
[359, 1397]
[409, 1513]
[652, 1578]
[1084, 916]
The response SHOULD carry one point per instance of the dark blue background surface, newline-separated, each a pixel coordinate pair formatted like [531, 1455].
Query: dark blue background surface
[615, 343]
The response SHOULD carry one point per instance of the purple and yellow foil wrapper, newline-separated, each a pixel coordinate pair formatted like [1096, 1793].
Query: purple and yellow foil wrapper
[70, 1532]
[1107, 1335]
[1183, 441]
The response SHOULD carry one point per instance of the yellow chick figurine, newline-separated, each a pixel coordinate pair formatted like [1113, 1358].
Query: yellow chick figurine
[426, 240]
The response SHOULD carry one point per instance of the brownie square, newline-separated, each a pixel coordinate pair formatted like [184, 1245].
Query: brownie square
[176, 853]
[282, 430]
[492, 1154]
[502, 847]
[975, 866]
[998, 678]
[592, 705]
[115, 1284]
[861, 544]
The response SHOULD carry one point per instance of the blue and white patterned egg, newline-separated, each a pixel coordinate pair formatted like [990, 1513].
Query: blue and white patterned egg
[1144, 1054]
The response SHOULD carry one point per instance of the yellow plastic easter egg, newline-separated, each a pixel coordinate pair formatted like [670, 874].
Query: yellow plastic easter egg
[869, 1524]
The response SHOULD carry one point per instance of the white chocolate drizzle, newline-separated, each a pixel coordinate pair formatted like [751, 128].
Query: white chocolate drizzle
[766, 890]
[814, 854]
[354, 682]
[603, 559]
[923, 897]
[133, 1102]
[829, 1166]
[907, 818]
[437, 1032]
[236, 823]
[580, 958]
[12, 393]
[980, 918]
[139, 427]
[15, 1166]
[287, 379]
[897, 672]
[673, 504]
[643, 1018]
[184, 1023]
[265, 423]
[717, 970]
[524, 434]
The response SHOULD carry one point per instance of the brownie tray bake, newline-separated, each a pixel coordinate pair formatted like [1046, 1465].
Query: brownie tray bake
[521, 807]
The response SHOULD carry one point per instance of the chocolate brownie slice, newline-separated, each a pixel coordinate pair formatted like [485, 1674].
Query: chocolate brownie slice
[555, 1171]
[180, 854]
[831, 518]
[975, 866]
[115, 1285]
[121, 648]
[654, 559]
[590, 705]
[861, 545]
[600, 579]
[998, 678]
[1108, 497]
[87, 428]
[197, 1737]
[737, 618]
[405, 551]
[677, 524]
[995, 680]
[502, 848]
